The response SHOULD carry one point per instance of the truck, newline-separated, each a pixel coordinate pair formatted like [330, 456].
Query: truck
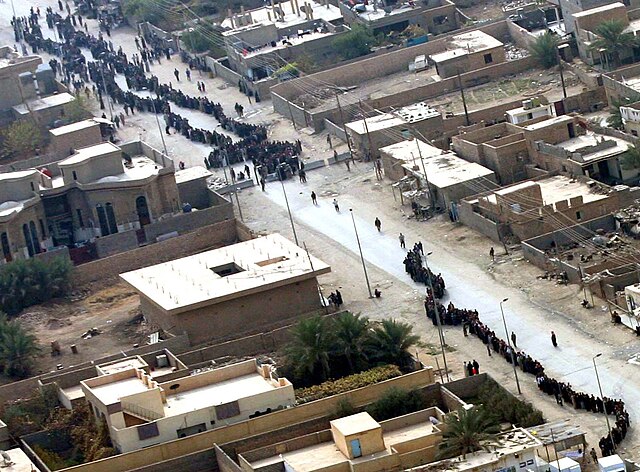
[611, 464]
[564, 464]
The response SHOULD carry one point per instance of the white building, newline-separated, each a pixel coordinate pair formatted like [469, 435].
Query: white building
[530, 110]
[141, 412]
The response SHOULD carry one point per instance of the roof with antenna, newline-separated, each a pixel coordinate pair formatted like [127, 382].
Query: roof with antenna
[224, 274]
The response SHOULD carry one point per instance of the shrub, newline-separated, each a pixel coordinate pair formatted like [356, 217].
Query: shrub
[344, 408]
[29, 282]
[345, 384]
[20, 140]
[396, 402]
[506, 408]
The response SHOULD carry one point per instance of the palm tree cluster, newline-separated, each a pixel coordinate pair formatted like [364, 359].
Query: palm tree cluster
[32, 281]
[321, 347]
[18, 348]
[613, 38]
[468, 431]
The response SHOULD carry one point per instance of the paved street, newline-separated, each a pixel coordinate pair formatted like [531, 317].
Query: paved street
[469, 285]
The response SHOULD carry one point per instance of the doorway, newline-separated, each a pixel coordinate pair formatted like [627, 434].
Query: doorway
[6, 250]
[356, 450]
[143, 211]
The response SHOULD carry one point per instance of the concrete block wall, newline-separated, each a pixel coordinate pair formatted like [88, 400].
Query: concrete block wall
[206, 237]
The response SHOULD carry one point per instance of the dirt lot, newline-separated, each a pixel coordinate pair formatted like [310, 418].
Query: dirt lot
[113, 309]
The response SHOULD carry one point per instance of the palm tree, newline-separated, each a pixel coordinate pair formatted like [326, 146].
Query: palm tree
[467, 431]
[351, 335]
[310, 348]
[613, 38]
[390, 342]
[631, 158]
[545, 50]
[17, 348]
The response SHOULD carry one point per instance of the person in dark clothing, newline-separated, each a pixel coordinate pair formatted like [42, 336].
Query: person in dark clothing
[339, 298]
[513, 339]
[176, 72]
[262, 183]
[476, 366]
[314, 198]
[554, 340]
[378, 224]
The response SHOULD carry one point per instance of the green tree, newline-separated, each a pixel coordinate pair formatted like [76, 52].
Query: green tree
[631, 158]
[144, 10]
[396, 402]
[20, 140]
[545, 50]
[466, 432]
[354, 43]
[351, 333]
[77, 110]
[310, 348]
[203, 38]
[613, 39]
[18, 348]
[390, 342]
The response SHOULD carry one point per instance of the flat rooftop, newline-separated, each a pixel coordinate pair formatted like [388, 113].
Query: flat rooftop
[225, 274]
[216, 394]
[6, 176]
[192, 173]
[444, 169]
[354, 424]
[112, 392]
[416, 112]
[293, 39]
[73, 127]
[125, 364]
[592, 139]
[291, 18]
[21, 462]
[598, 10]
[373, 14]
[554, 189]
[549, 122]
[12, 206]
[90, 152]
[466, 43]
[44, 103]
[376, 123]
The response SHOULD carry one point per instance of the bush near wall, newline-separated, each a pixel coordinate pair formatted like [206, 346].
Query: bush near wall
[345, 384]
[32, 281]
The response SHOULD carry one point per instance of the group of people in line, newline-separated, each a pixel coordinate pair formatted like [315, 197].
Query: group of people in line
[563, 392]
[414, 266]
[278, 156]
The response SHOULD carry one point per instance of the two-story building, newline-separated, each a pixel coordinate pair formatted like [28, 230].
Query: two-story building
[140, 412]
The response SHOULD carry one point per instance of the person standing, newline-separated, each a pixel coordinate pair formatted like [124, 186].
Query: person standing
[378, 224]
[176, 72]
[262, 183]
[314, 198]
[188, 74]
[492, 254]
[554, 340]
[329, 141]
[464, 367]
[335, 205]
[594, 455]
[401, 239]
[476, 367]
[513, 339]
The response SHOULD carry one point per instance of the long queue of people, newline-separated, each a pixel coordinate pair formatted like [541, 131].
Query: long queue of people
[413, 265]
[563, 392]
[76, 71]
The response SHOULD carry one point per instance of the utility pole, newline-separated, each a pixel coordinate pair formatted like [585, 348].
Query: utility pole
[464, 101]
[155, 112]
[564, 88]
[293, 228]
[513, 357]
[437, 315]
[364, 266]
[424, 169]
[344, 127]
[366, 128]
[324, 305]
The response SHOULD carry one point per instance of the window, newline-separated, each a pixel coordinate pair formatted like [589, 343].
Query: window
[80, 219]
[578, 215]
[148, 430]
[488, 59]
[111, 218]
[33, 187]
[227, 410]
[107, 219]
[634, 132]
[42, 229]
[102, 219]
[75, 176]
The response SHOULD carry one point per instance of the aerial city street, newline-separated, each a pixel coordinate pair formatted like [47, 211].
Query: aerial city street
[354, 234]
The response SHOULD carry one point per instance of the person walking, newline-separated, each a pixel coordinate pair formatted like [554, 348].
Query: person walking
[378, 224]
[187, 72]
[335, 205]
[401, 239]
[329, 141]
[176, 72]
[122, 118]
[262, 183]
[554, 340]
[492, 254]
[594, 455]
[513, 339]
[314, 198]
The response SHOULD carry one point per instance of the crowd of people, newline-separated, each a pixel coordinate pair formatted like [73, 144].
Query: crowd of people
[563, 392]
[413, 265]
[271, 156]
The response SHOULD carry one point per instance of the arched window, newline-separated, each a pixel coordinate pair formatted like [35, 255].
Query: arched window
[6, 249]
[27, 239]
[111, 218]
[34, 238]
[102, 219]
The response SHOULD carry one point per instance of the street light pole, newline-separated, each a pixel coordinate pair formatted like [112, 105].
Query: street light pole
[286, 200]
[513, 358]
[238, 201]
[606, 416]
[364, 266]
[438, 321]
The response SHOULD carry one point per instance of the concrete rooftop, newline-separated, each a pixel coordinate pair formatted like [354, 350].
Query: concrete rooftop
[466, 43]
[44, 103]
[255, 266]
[70, 128]
[291, 17]
[591, 139]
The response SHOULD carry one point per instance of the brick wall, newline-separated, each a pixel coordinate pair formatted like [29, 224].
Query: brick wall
[207, 237]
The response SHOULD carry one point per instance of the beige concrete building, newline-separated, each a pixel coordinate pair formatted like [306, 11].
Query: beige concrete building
[12, 65]
[531, 109]
[446, 177]
[410, 442]
[369, 135]
[586, 23]
[468, 52]
[536, 207]
[19, 462]
[141, 412]
[229, 291]
[64, 140]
